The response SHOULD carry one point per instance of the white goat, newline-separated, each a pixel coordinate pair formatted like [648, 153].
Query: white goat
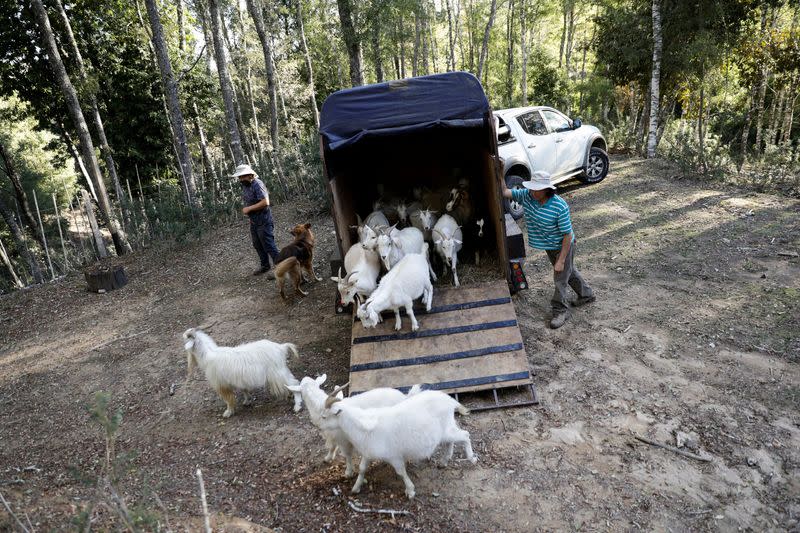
[406, 211]
[448, 239]
[246, 367]
[478, 240]
[315, 400]
[368, 230]
[362, 267]
[394, 243]
[408, 431]
[424, 220]
[403, 284]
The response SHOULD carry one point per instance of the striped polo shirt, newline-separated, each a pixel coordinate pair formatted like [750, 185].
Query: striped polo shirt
[547, 223]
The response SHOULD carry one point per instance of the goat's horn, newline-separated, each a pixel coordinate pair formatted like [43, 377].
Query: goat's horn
[339, 388]
[340, 272]
[330, 400]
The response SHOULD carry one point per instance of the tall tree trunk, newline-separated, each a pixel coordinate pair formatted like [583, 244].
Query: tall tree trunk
[510, 54]
[7, 261]
[19, 242]
[570, 37]
[563, 32]
[224, 83]
[351, 41]
[249, 85]
[701, 137]
[788, 114]
[87, 146]
[655, 80]
[181, 36]
[523, 14]
[471, 33]
[208, 164]
[173, 102]
[376, 48]
[773, 119]
[432, 44]
[415, 62]
[402, 48]
[256, 13]
[451, 58]
[96, 117]
[762, 87]
[307, 55]
[425, 40]
[485, 45]
[10, 170]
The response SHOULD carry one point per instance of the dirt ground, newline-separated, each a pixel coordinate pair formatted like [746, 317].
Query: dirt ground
[696, 331]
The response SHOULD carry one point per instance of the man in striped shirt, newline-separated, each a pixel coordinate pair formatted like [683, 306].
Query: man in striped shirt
[550, 229]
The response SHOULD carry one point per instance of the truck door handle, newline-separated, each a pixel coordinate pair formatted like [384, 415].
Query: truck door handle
[531, 145]
[560, 139]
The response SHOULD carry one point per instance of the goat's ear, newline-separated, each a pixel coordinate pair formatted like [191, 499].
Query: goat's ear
[307, 225]
[189, 333]
[458, 242]
[340, 395]
[293, 388]
[188, 345]
[437, 242]
[321, 379]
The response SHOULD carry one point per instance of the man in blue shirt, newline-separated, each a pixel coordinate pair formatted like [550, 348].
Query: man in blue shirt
[255, 199]
[550, 229]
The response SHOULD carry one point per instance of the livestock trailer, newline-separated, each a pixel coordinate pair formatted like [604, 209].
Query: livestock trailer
[433, 133]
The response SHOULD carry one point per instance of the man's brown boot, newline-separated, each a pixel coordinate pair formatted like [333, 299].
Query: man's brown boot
[559, 319]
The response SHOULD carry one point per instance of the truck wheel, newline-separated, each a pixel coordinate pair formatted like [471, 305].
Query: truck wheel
[596, 166]
[512, 207]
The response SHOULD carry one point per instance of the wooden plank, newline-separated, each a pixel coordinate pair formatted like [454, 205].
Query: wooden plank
[403, 349]
[477, 315]
[483, 291]
[465, 369]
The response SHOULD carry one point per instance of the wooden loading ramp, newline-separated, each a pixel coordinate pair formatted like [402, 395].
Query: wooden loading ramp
[469, 341]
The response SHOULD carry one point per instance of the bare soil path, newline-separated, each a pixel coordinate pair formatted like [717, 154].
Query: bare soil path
[696, 330]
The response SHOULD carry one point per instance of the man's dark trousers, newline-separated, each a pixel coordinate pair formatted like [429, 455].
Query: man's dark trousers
[261, 228]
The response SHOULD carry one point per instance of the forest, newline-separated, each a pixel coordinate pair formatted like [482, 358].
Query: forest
[148, 105]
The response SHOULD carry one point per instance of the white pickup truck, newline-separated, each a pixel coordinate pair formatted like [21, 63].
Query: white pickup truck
[542, 138]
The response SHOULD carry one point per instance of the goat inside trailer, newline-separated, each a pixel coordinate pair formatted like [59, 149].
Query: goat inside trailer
[431, 132]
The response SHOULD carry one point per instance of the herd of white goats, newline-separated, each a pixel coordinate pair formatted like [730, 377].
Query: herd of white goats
[403, 252]
[381, 424]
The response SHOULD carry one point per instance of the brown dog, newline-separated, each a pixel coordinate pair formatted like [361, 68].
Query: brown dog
[296, 257]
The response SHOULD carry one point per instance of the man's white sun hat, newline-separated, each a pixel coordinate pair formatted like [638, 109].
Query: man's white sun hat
[243, 170]
[539, 181]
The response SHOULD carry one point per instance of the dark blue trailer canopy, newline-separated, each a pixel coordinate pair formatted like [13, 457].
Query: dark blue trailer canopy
[451, 100]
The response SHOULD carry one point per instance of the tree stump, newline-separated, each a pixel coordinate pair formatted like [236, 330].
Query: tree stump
[104, 278]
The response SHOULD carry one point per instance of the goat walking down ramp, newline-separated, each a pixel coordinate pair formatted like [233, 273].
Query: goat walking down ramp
[247, 367]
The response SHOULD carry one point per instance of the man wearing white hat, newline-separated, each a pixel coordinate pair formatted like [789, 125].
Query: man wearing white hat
[550, 229]
[255, 199]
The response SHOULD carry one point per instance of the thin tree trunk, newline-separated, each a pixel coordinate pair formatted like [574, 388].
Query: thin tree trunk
[351, 41]
[570, 38]
[307, 55]
[402, 49]
[100, 243]
[432, 44]
[563, 32]
[181, 36]
[249, 85]
[485, 45]
[7, 261]
[76, 157]
[762, 88]
[655, 80]
[510, 53]
[415, 62]
[376, 48]
[10, 170]
[451, 58]
[224, 83]
[424, 36]
[19, 242]
[523, 50]
[471, 34]
[700, 115]
[96, 117]
[87, 146]
[254, 7]
[171, 93]
[208, 164]
[788, 115]
[773, 117]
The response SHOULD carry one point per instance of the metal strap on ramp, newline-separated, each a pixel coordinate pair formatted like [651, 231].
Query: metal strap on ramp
[469, 341]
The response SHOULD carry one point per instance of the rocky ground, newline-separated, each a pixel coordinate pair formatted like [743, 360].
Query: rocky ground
[694, 341]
